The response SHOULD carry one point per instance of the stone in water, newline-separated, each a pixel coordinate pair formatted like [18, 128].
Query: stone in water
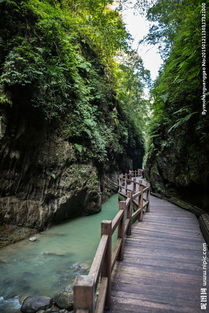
[33, 304]
[33, 239]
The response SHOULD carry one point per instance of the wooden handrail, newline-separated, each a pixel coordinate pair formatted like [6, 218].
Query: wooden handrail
[116, 252]
[137, 194]
[99, 277]
[127, 201]
[102, 295]
[98, 259]
[116, 220]
[136, 213]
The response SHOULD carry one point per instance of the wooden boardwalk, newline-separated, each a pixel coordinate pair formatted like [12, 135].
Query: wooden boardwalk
[162, 267]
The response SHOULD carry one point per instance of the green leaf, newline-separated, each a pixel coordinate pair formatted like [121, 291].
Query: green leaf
[181, 121]
[53, 175]
[78, 147]
[164, 97]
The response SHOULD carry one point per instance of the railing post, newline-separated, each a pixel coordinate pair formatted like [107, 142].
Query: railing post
[129, 213]
[120, 182]
[123, 182]
[121, 229]
[83, 293]
[148, 199]
[134, 185]
[140, 204]
[106, 229]
[126, 185]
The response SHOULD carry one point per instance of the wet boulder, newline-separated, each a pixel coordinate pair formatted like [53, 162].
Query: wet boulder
[64, 299]
[33, 304]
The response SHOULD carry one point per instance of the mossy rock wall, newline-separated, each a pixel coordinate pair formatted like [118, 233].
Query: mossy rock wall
[43, 178]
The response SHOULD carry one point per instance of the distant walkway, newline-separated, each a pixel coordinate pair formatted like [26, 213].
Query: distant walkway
[162, 267]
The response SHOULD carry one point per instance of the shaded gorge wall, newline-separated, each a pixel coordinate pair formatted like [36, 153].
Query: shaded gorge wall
[64, 135]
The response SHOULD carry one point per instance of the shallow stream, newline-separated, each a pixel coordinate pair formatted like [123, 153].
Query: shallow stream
[51, 263]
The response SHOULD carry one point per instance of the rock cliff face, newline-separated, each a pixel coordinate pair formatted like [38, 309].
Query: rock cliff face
[64, 135]
[42, 182]
[178, 165]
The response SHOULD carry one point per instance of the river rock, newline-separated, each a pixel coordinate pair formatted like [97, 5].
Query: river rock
[33, 304]
[22, 298]
[32, 239]
[64, 299]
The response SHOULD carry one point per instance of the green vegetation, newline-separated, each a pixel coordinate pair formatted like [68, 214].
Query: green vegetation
[179, 133]
[71, 62]
[60, 58]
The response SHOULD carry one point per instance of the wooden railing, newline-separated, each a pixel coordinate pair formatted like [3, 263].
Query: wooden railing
[92, 292]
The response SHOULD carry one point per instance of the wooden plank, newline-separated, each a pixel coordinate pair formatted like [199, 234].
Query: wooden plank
[136, 213]
[168, 230]
[100, 303]
[169, 297]
[157, 283]
[121, 230]
[145, 204]
[97, 261]
[106, 229]
[126, 225]
[170, 240]
[116, 252]
[138, 193]
[163, 266]
[157, 254]
[136, 304]
[127, 201]
[116, 220]
[155, 274]
[145, 260]
[147, 291]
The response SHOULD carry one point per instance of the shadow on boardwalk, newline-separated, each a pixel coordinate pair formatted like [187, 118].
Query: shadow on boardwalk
[162, 267]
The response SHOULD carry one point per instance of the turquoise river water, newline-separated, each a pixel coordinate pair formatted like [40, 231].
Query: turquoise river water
[51, 263]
